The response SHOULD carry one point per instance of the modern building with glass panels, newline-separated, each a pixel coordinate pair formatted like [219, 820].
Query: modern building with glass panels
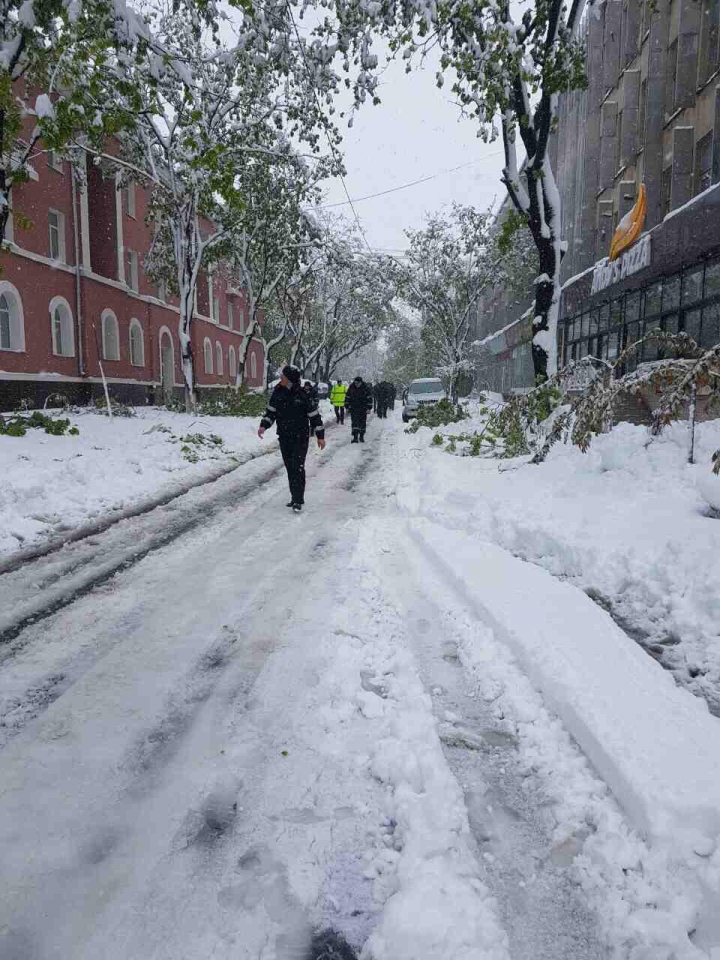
[650, 116]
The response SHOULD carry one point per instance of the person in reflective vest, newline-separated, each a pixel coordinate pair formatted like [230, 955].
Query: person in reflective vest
[337, 399]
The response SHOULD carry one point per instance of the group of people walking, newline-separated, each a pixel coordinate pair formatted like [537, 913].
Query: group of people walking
[294, 409]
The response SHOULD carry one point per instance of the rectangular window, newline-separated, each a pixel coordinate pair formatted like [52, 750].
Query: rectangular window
[692, 286]
[710, 326]
[56, 231]
[632, 306]
[618, 141]
[231, 319]
[54, 161]
[712, 279]
[241, 318]
[216, 310]
[652, 299]
[616, 312]
[671, 78]
[703, 163]
[604, 316]
[129, 198]
[671, 294]
[665, 191]
[709, 59]
[162, 290]
[691, 324]
[642, 115]
[131, 277]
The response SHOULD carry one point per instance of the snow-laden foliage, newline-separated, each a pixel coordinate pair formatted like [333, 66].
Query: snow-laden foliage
[555, 411]
[216, 131]
[508, 64]
[350, 304]
[50, 55]
[448, 266]
[406, 357]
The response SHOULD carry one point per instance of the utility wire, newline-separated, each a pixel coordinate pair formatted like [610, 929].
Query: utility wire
[413, 183]
[327, 135]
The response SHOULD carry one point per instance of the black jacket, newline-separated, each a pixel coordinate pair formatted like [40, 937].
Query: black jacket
[294, 412]
[359, 397]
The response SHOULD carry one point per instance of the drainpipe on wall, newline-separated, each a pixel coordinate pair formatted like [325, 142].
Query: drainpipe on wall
[78, 277]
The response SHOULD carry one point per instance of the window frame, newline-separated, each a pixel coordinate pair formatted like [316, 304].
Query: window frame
[232, 363]
[108, 316]
[132, 270]
[60, 228]
[129, 200]
[16, 317]
[136, 325]
[55, 162]
[60, 305]
[219, 365]
[208, 355]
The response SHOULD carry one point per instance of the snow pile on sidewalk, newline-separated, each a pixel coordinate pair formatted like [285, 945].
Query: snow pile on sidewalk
[51, 484]
[625, 522]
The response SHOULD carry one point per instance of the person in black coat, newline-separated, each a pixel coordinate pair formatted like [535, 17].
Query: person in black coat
[358, 402]
[295, 413]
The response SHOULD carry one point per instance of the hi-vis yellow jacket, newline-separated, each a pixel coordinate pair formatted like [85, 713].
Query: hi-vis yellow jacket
[337, 395]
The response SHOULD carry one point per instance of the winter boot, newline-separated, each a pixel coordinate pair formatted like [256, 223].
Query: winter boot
[362, 438]
[297, 507]
[355, 437]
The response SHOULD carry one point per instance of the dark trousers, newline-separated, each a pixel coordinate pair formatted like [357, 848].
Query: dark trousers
[294, 449]
[359, 423]
[340, 414]
[382, 409]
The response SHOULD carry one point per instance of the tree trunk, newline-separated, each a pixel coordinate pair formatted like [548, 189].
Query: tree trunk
[186, 352]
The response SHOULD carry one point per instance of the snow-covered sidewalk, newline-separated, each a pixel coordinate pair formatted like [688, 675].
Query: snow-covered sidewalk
[52, 484]
[625, 522]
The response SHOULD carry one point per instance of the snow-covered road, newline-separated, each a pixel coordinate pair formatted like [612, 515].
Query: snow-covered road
[269, 725]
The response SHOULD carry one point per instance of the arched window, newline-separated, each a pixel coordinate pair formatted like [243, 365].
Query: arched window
[207, 350]
[218, 359]
[61, 324]
[110, 336]
[12, 320]
[137, 344]
[232, 363]
[253, 366]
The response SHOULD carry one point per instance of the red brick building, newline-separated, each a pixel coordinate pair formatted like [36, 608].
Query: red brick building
[73, 292]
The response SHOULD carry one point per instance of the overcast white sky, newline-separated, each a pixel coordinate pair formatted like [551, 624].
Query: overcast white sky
[415, 132]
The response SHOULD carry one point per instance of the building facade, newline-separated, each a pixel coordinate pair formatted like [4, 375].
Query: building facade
[74, 295]
[650, 115]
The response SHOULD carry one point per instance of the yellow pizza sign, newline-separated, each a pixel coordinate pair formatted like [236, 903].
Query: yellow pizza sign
[630, 227]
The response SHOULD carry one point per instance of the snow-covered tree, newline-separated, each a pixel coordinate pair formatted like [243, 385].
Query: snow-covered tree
[405, 358]
[217, 135]
[50, 55]
[352, 302]
[508, 62]
[449, 264]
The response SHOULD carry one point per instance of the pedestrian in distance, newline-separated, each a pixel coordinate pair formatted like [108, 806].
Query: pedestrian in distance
[358, 403]
[337, 399]
[295, 413]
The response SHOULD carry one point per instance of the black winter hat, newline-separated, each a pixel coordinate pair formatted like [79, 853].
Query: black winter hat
[292, 373]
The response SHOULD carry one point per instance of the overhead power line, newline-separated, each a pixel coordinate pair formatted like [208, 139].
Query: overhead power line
[322, 114]
[413, 183]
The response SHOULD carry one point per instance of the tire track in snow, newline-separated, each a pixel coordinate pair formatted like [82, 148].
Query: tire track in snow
[52, 590]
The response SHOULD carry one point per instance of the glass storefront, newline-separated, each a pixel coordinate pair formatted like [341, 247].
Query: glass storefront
[686, 301]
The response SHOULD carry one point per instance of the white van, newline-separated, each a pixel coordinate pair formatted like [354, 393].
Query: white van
[422, 393]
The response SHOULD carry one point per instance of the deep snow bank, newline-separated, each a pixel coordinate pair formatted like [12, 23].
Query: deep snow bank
[654, 744]
[625, 521]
